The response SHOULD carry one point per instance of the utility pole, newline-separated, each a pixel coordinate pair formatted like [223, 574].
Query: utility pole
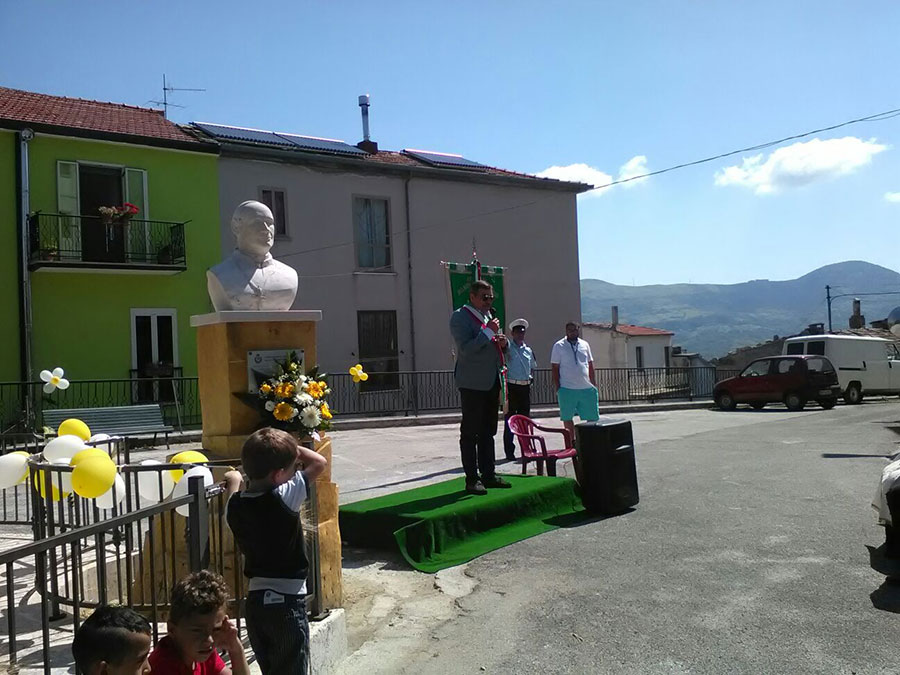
[828, 297]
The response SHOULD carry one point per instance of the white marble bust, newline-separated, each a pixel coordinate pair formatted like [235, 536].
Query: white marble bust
[250, 278]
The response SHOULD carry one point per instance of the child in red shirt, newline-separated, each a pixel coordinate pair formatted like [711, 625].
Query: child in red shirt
[198, 626]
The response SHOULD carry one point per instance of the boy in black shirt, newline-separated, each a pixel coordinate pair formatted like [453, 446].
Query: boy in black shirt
[265, 520]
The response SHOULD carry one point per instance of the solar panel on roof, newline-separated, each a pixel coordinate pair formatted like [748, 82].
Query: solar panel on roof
[323, 144]
[243, 135]
[445, 160]
[280, 140]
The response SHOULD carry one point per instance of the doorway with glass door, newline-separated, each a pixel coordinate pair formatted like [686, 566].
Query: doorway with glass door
[154, 356]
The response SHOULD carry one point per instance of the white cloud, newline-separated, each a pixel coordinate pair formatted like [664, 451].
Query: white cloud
[584, 173]
[892, 196]
[800, 164]
[636, 166]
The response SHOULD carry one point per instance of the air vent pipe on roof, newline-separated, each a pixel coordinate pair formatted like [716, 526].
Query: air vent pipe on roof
[366, 143]
[364, 106]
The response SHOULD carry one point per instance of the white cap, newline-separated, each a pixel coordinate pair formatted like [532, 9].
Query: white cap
[519, 322]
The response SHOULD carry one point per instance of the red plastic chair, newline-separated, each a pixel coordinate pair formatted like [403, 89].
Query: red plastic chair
[534, 446]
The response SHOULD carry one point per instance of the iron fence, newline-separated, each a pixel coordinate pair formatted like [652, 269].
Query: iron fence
[60, 239]
[131, 553]
[178, 398]
[417, 392]
[412, 393]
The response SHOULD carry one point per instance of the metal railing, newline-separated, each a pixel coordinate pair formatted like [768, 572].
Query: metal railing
[58, 239]
[177, 396]
[418, 392]
[132, 553]
[414, 393]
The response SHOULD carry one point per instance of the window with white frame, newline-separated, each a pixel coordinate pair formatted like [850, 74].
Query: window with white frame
[154, 353]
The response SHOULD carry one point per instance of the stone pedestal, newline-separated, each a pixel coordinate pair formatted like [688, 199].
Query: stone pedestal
[223, 340]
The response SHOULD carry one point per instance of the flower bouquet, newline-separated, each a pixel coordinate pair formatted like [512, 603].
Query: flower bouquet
[292, 401]
[119, 215]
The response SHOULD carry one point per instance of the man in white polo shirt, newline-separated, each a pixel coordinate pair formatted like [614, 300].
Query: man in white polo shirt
[574, 379]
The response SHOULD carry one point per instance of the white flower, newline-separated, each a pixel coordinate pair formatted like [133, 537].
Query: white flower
[54, 380]
[294, 413]
[270, 405]
[304, 400]
[311, 417]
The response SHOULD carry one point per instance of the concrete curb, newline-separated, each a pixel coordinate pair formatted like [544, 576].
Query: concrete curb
[388, 421]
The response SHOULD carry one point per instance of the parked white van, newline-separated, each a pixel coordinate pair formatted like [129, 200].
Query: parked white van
[865, 365]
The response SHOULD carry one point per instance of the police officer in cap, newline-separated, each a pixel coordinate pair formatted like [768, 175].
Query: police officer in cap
[521, 364]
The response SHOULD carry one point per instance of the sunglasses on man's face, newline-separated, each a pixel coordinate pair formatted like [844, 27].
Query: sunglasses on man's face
[488, 297]
[519, 329]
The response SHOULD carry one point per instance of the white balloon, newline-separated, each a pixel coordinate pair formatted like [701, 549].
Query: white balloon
[62, 478]
[181, 487]
[99, 438]
[113, 496]
[13, 468]
[63, 446]
[149, 483]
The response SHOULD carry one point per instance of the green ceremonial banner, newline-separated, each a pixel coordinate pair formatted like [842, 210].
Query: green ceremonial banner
[461, 275]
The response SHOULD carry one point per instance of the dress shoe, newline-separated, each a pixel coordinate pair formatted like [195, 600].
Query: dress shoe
[476, 488]
[496, 482]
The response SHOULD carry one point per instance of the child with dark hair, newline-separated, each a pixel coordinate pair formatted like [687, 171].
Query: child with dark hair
[113, 641]
[265, 520]
[198, 625]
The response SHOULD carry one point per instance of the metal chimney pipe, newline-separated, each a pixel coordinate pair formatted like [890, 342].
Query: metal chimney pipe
[615, 315]
[857, 309]
[364, 107]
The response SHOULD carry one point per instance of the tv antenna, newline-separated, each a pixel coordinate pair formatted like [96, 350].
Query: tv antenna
[165, 99]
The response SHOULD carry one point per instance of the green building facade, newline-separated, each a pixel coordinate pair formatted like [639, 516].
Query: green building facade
[111, 298]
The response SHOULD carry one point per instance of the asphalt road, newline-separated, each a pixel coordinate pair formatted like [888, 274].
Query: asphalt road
[748, 553]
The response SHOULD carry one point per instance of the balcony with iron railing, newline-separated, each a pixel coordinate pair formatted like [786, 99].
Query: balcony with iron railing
[59, 241]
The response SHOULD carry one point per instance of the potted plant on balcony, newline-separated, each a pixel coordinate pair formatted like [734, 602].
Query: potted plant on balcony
[50, 253]
[117, 215]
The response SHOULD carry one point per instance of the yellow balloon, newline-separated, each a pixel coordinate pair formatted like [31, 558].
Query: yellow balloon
[93, 476]
[74, 427]
[56, 492]
[89, 452]
[186, 457]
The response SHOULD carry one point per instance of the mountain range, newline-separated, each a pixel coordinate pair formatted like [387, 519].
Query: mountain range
[713, 319]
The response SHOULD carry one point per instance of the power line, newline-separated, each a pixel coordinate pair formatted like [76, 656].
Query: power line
[878, 117]
[871, 118]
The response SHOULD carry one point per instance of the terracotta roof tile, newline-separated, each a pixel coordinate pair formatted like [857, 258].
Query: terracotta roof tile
[628, 329]
[78, 113]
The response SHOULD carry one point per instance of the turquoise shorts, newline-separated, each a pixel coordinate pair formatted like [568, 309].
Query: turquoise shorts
[582, 402]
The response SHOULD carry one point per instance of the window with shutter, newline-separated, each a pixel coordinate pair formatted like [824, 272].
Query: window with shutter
[68, 236]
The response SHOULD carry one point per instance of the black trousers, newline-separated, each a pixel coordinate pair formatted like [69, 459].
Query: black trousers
[477, 431]
[519, 397]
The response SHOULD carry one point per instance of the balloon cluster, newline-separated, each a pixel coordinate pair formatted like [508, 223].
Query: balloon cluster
[94, 474]
[359, 375]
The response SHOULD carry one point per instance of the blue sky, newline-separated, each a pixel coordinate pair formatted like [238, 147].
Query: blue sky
[534, 85]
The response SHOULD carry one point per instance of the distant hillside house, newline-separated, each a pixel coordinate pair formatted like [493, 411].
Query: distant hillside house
[621, 345]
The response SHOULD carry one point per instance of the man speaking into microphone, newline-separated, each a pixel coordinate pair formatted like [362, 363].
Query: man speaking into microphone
[480, 348]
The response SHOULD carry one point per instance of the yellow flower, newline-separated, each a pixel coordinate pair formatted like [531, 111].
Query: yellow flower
[326, 412]
[284, 412]
[265, 389]
[284, 390]
[315, 389]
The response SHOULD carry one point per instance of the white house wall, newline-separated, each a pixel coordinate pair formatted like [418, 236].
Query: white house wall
[654, 350]
[609, 348]
[531, 232]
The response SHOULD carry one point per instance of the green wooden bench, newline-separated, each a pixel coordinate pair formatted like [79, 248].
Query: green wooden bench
[124, 420]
